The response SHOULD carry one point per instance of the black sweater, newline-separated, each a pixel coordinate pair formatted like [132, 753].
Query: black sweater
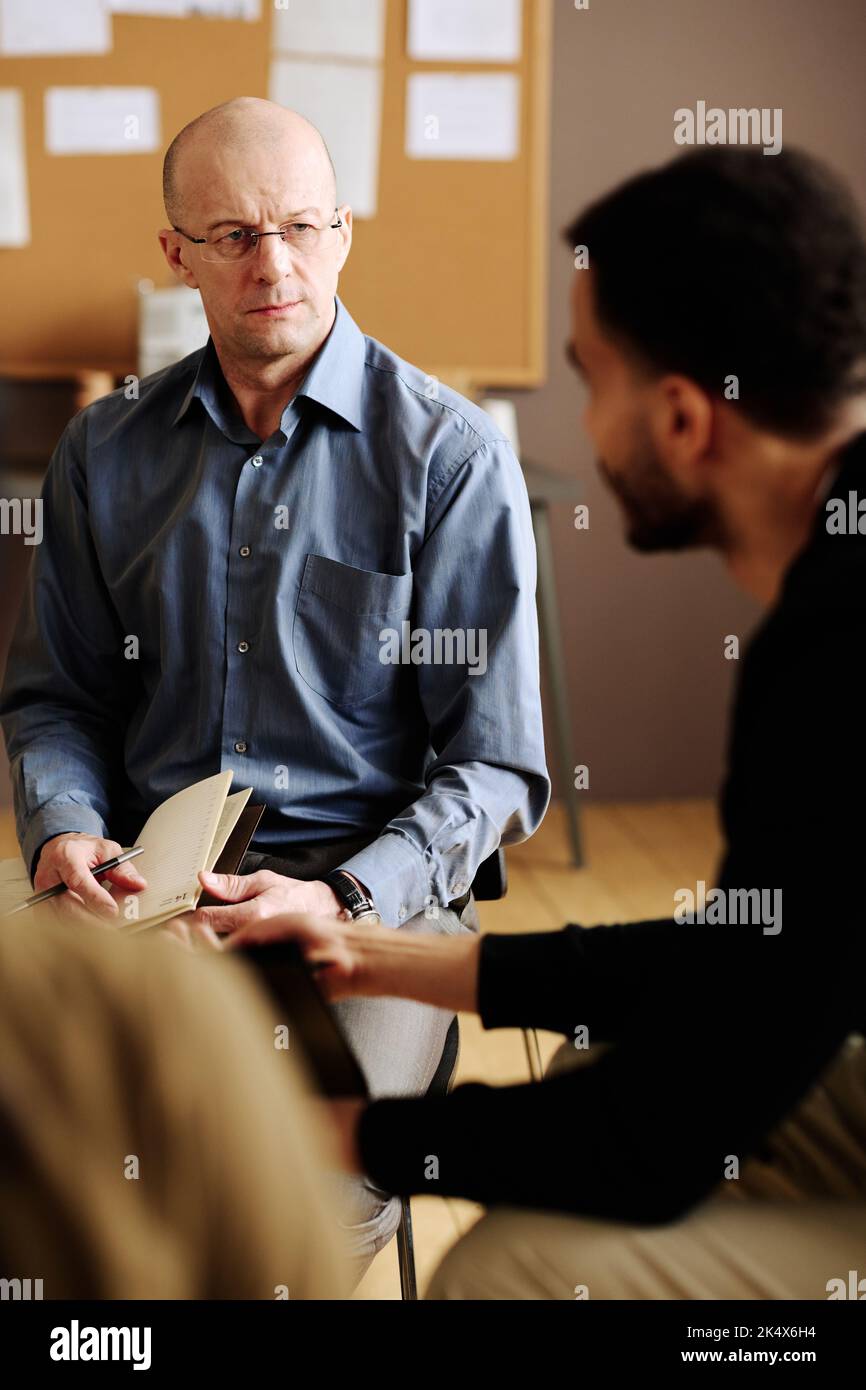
[716, 1031]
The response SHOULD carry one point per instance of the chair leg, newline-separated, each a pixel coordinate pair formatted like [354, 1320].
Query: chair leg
[533, 1054]
[406, 1253]
[551, 643]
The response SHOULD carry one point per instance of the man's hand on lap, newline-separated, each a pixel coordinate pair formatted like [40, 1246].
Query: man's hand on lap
[251, 899]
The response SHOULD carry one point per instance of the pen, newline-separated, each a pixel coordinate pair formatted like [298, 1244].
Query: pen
[59, 888]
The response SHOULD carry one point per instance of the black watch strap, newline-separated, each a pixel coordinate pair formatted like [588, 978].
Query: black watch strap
[356, 902]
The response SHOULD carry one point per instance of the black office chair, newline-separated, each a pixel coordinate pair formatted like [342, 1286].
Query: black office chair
[490, 882]
[36, 405]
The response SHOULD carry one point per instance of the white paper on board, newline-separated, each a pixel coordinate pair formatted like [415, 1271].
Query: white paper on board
[162, 9]
[14, 207]
[331, 28]
[30, 28]
[101, 120]
[465, 30]
[463, 116]
[188, 9]
[345, 102]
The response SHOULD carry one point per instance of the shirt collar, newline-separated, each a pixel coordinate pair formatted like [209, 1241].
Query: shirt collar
[335, 379]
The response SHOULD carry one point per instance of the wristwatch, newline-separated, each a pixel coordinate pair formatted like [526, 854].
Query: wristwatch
[356, 901]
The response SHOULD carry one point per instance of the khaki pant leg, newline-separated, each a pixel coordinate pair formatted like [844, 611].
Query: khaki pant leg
[723, 1250]
[819, 1149]
[793, 1221]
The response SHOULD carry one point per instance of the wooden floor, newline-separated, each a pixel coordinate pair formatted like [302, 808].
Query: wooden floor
[636, 855]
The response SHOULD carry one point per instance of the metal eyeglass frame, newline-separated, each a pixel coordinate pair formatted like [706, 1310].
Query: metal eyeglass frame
[256, 238]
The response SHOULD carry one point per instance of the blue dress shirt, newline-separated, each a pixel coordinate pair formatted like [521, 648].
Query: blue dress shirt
[204, 600]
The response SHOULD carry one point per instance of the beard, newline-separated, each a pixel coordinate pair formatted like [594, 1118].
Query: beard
[659, 515]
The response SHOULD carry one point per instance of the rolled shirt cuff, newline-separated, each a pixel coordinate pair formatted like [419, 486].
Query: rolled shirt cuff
[58, 818]
[395, 876]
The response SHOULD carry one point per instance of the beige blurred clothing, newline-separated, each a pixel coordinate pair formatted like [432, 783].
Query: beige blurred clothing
[132, 1054]
[794, 1220]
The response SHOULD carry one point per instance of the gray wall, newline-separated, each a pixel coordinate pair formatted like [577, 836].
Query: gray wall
[644, 634]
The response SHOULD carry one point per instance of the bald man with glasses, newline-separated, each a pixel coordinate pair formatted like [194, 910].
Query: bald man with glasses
[258, 518]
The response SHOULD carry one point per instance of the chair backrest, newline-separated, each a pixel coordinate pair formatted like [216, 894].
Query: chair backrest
[444, 1074]
[491, 879]
[35, 407]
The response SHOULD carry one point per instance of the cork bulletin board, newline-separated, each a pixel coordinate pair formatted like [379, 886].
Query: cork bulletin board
[450, 273]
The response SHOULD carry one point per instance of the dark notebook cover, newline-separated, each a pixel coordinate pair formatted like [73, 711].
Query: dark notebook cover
[298, 1003]
[290, 983]
[235, 848]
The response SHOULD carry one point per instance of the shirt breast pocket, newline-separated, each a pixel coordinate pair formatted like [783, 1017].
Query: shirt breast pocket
[340, 616]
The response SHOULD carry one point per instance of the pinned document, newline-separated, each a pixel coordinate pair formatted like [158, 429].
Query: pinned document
[465, 30]
[331, 28]
[457, 116]
[101, 120]
[345, 102]
[189, 9]
[31, 28]
[14, 209]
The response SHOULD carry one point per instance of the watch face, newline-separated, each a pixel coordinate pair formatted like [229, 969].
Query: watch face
[368, 911]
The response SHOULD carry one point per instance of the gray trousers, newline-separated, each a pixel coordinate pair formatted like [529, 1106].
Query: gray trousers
[398, 1044]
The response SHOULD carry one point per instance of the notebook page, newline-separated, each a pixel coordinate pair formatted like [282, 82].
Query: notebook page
[14, 884]
[177, 840]
[230, 815]
[227, 822]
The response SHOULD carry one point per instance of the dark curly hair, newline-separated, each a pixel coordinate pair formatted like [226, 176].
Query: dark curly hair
[726, 261]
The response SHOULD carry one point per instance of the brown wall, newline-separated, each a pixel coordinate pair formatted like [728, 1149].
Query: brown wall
[643, 634]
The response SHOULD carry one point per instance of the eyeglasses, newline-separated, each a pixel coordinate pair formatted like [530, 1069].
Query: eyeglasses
[241, 242]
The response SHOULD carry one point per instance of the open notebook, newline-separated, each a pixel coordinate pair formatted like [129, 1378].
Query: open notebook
[184, 835]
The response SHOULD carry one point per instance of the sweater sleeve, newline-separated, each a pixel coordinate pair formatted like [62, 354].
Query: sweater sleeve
[640, 1135]
[606, 979]
[716, 1036]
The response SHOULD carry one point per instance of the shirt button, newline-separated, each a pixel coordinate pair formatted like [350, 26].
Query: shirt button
[243, 647]
[402, 911]
[257, 461]
[245, 551]
[240, 746]
[457, 888]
